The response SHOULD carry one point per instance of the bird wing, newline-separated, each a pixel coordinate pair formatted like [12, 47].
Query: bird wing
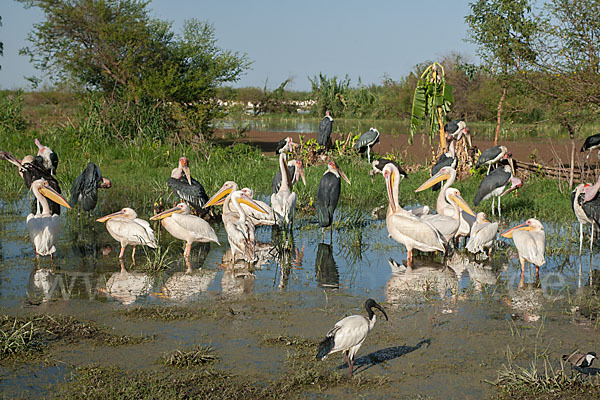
[325, 128]
[328, 194]
[193, 194]
[199, 227]
[352, 331]
[481, 236]
[421, 234]
[487, 155]
[529, 246]
[43, 232]
[369, 138]
[496, 179]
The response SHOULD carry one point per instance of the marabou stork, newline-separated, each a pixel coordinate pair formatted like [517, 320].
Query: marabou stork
[493, 186]
[447, 159]
[492, 156]
[127, 229]
[325, 128]
[44, 226]
[586, 206]
[328, 193]
[85, 187]
[295, 170]
[591, 143]
[366, 141]
[240, 229]
[403, 226]
[483, 235]
[456, 129]
[185, 187]
[349, 334]
[579, 359]
[530, 241]
[49, 157]
[286, 145]
[32, 169]
[382, 162]
[284, 201]
[183, 226]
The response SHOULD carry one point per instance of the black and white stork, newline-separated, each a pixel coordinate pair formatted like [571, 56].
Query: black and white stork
[328, 193]
[286, 145]
[457, 129]
[85, 187]
[493, 186]
[31, 169]
[591, 143]
[49, 157]
[186, 187]
[349, 334]
[492, 156]
[366, 141]
[448, 159]
[296, 172]
[325, 128]
[382, 162]
[586, 206]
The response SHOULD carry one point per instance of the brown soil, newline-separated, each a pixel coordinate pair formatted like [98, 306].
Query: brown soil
[550, 152]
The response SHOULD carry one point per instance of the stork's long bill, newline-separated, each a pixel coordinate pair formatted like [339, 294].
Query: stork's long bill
[185, 166]
[53, 195]
[337, 169]
[300, 172]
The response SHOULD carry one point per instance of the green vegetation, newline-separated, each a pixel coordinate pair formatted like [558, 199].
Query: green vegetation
[200, 355]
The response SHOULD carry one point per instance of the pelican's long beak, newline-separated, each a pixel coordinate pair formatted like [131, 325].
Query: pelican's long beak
[110, 216]
[462, 204]
[53, 195]
[224, 191]
[343, 175]
[165, 214]
[389, 182]
[440, 176]
[523, 227]
[186, 169]
[251, 203]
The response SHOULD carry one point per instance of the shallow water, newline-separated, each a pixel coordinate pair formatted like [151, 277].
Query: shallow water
[461, 305]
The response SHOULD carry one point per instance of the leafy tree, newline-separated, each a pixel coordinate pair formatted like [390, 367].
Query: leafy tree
[503, 30]
[330, 94]
[114, 47]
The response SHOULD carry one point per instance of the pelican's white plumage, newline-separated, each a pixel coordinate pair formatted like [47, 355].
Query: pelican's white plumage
[483, 235]
[284, 201]
[258, 218]
[127, 229]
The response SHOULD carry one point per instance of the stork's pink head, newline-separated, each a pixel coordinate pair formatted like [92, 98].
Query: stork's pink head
[183, 161]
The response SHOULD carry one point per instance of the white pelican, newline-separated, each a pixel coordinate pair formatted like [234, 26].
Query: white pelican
[483, 235]
[349, 334]
[295, 170]
[183, 226]
[240, 230]
[530, 240]
[284, 201]
[405, 227]
[126, 228]
[258, 218]
[44, 227]
[448, 225]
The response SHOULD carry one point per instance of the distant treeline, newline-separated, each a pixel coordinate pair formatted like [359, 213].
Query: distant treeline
[476, 95]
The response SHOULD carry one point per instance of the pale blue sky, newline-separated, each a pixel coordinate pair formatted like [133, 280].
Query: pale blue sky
[294, 38]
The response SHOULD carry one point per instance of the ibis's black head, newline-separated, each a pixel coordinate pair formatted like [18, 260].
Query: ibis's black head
[370, 304]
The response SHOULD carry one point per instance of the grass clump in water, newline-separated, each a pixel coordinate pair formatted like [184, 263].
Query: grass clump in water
[284, 340]
[198, 356]
[17, 338]
[168, 313]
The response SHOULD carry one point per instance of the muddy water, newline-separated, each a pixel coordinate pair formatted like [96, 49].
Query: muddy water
[451, 321]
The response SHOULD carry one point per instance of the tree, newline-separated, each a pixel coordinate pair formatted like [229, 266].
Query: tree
[503, 30]
[114, 47]
[432, 98]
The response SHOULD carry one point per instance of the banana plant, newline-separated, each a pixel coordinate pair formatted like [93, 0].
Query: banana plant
[431, 100]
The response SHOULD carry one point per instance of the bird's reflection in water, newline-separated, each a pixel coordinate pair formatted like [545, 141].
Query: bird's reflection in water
[325, 268]
[478, 273]
[202, 250]
[126, 287]
[429, 279]
[188, 285]
[238, 278]
[40, 285]
[525, 302]
[287, 256]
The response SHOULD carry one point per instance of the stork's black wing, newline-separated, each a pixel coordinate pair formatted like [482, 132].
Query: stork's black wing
[325, 128]
[32, 171]
[451, 127]
[276, 184]
[382, 162]
[194, 194]
[591, 142]
[496, 179]
[280, 145]
[85, 187]
[591, 208]
[445, 160]
[488, 155]
[370, 138]
[328, 195]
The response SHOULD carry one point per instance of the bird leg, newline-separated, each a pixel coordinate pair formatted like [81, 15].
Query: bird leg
[489, 166]
[133, 255]
[537, 276]
[580, 238]
[592, 238]
[188, 250]
[122, 252]
[369, 154]
[493, 204]
[409, 258]
[522, 282]
[499, 209]
[349, 363]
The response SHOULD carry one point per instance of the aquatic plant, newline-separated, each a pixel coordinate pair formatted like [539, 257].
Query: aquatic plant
[200, 355]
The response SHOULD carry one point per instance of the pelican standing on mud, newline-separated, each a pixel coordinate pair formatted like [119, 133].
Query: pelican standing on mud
[127, 229]
[403, 226]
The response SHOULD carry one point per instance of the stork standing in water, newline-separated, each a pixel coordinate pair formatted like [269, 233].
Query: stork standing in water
[591, 143]
[404, 227]
[185, 187]
[349, 334]
[586, 206]
[127, 229]
[328, 194]
[85, 187]
[492, 156]
[49, 157]
[44, 226]
[325, 128]
[295, 171]
[284, 201]
[183, 226]
[32, 169]
[493, 186]
[366, 141]
[530, 240]
[286, 145]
